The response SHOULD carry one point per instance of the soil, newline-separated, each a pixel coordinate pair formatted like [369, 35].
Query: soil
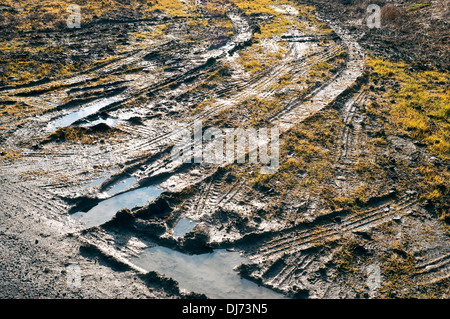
[83, 110]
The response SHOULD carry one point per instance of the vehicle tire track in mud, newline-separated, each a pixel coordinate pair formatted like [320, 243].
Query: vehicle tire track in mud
[332, 90]
[207, 199]
[213, 194]
[326, 95]
[434, 266]
[350, 222]
[142, 84]
[262, 84]
[289, 256]
[259, 84]
[296, 112]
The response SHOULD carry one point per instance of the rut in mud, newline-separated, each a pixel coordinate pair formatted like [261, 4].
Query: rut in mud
[93, 151]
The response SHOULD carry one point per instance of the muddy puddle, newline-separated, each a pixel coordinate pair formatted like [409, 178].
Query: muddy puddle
[121, 186]
[211, 274]
[97, 182]
[107, 209]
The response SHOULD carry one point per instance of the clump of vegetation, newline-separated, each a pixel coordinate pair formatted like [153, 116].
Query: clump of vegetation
[398, 270]
[10, 154]
[319, 70]
[31, 174]
[346, 257]
[416, 103]
[306, 159]
[20, 70]
[256, 58]
[18, 110]
[81, 135]
[173, 7]
[260, 109]
[31, 15]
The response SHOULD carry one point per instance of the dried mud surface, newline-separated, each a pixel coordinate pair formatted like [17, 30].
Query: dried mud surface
[353, 189]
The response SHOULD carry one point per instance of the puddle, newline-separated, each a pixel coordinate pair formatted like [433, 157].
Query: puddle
[121, 186]
[107, 209]
[183, 227]
[71, 118]
[211, 274]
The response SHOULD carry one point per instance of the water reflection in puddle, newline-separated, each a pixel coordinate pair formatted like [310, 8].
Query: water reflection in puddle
[211, 274]
[97, 182]
[121, 186]
[107, 209]
[183, 227]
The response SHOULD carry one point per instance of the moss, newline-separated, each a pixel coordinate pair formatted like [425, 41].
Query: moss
[319, 70]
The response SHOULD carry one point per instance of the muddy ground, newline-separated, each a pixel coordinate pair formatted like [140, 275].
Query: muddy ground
[90, 115]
